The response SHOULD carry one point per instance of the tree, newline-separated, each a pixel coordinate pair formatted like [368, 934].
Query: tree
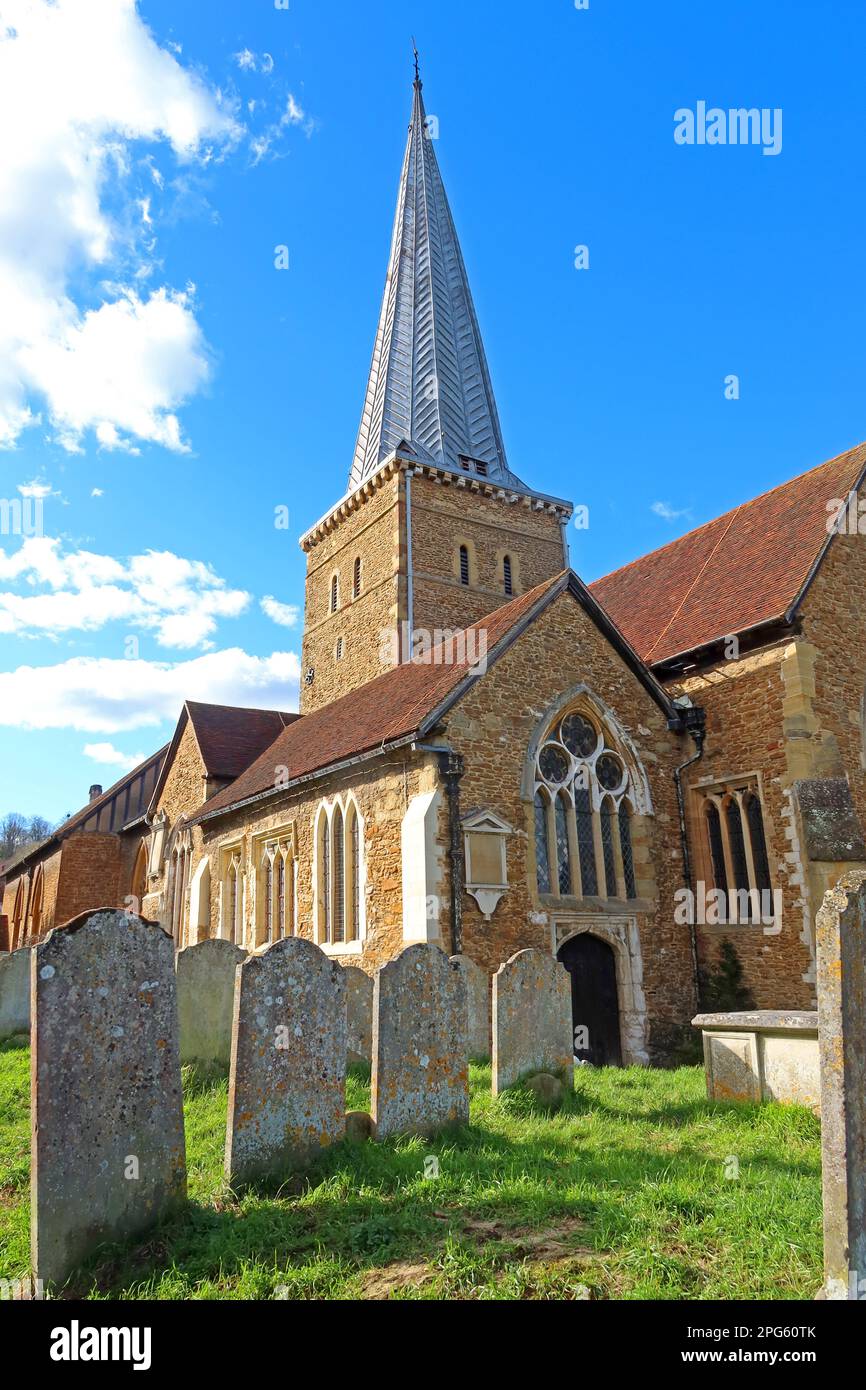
[16, 833]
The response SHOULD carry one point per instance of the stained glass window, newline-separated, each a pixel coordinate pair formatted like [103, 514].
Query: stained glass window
[737, 844]
[759, 843]
[608, 770]
[585, 842]
[269, 898]
[578, 735]
[607, 849]
[563, 860]
[326, 879]
[281, 896]
[356, 877]
[553, 763]
[542, 859]
[626, 849]
[339, 914]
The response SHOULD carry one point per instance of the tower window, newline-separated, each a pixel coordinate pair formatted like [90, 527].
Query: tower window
[464, 564]
[356, 578]
[481, 467]
[335, 594]
[507, 579]
[339, 650]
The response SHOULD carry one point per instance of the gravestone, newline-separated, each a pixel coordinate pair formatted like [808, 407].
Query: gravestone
[14, 992]
[420, 1079]
[359, 1015]
[531, 1019]
[477, 983]
[840, 942]
[108, 1156]
[205, 1000]
[287, 1084]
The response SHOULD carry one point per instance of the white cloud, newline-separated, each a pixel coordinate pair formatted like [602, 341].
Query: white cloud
[246, 60]
[37, 488]
[109, 756]
[79, 81]
[286, 614]
[96, 492]
[180, 601]
[103, 695]
[667, 512]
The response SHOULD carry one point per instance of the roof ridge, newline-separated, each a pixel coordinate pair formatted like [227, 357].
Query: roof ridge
[691, 588]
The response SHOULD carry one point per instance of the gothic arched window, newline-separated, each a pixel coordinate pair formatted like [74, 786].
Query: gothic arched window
[542, 857]
[584, 848]
[339, 871]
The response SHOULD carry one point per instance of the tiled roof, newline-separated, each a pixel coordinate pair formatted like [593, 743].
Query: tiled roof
[740, 571]
[230, 738]
[382, 711]
[400, 703]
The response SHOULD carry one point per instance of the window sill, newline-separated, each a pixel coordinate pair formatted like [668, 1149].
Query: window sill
[341, 948]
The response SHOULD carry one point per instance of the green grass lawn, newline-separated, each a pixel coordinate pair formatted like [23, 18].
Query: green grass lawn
[624, 1192]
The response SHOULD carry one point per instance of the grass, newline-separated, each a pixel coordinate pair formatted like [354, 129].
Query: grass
[623, 1193]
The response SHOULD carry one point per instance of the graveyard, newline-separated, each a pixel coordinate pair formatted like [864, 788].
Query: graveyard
[631, 1184]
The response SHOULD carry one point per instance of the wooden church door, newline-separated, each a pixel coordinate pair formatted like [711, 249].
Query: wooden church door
[594, 1001]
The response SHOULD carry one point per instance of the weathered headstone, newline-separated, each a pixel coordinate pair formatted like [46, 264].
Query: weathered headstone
[841, 960]
[205, 1000]
[14, 992]
[107, 1145]
[359, 1014]
[287, 1085]
[477, 983]
[420, 1069]
[531, 1019]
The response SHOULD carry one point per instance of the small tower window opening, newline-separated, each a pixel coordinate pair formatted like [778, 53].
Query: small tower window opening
[335, 594]
[356, 578]
[507, 579]
[339, 650]
[464, 564]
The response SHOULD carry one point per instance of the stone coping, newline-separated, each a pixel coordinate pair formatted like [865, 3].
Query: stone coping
[760, 1021]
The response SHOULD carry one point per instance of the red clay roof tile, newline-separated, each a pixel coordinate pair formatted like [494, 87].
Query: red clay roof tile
[744, 569]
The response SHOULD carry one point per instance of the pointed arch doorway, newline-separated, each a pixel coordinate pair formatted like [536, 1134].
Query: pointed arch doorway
[591, 964]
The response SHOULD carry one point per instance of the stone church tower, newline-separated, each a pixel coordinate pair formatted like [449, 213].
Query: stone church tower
[435, 530]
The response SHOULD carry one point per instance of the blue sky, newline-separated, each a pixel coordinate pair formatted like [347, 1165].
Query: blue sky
[165, 388]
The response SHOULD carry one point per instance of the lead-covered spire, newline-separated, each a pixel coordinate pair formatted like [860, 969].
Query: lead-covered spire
[429, 386]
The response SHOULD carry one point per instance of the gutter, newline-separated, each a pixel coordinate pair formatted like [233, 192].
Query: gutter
[693, 720]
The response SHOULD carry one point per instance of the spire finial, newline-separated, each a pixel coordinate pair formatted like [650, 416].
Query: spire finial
[417, 69]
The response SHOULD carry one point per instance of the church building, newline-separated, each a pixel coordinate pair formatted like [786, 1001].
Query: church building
[492, 755]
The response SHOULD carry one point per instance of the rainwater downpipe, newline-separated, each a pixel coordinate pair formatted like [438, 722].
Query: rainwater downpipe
[693, 721]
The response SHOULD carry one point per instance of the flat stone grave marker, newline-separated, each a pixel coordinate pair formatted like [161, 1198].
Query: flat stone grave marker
[108, 1157]
[420, 1081]
[531, 1019]
[287, 1083]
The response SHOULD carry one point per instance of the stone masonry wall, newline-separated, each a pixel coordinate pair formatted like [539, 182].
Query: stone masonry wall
[492, 727]
[446, 515]
[373, 532]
